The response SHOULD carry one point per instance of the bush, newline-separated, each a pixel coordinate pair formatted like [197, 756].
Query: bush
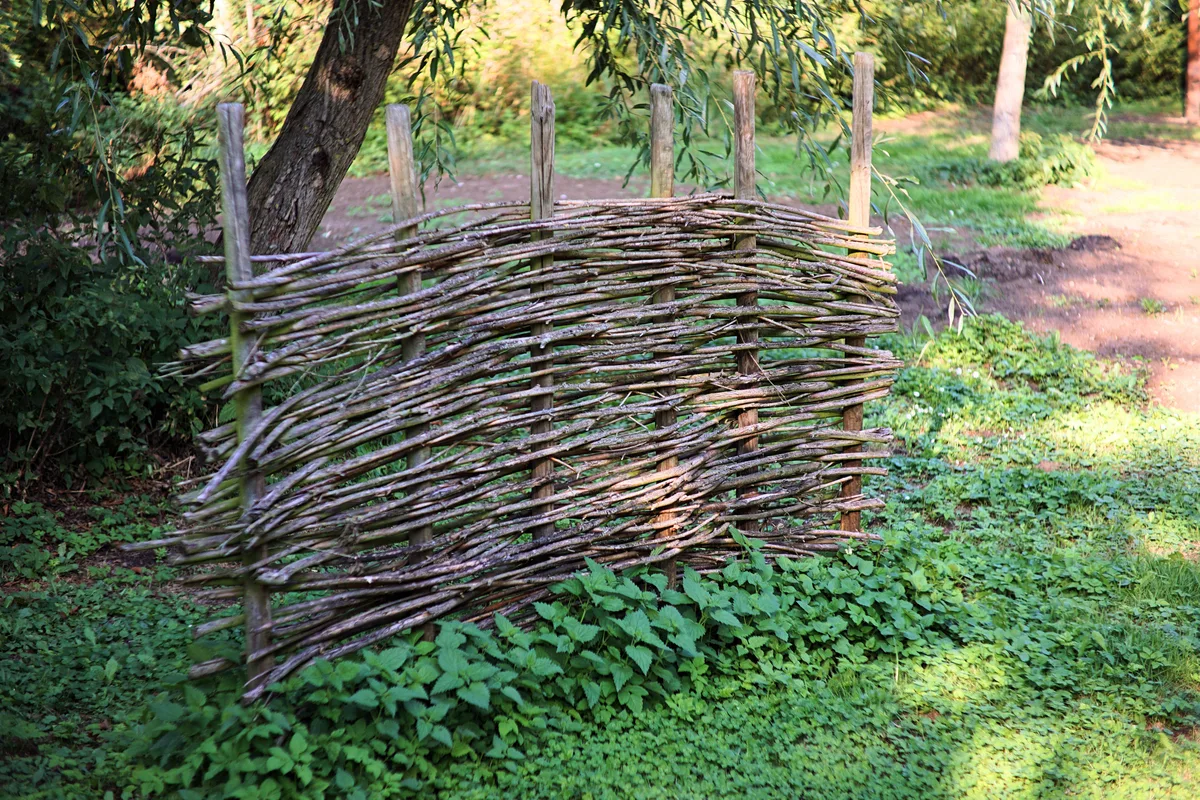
[97, 223]
[79, 352]
[1057, 160]
[1043, 161]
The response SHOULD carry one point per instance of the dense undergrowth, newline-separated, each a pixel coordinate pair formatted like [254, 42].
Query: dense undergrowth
[1029, 630]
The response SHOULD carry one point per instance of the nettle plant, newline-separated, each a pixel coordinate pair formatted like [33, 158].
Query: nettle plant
[383, 723]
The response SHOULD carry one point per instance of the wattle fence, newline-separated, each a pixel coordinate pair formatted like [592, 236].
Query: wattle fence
[449, 417]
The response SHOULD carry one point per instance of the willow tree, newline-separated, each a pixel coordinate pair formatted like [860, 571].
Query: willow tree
[1010, 83]
[1093, 28]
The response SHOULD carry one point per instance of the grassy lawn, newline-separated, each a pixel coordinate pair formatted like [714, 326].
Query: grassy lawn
[934, 165]
[1034, 634]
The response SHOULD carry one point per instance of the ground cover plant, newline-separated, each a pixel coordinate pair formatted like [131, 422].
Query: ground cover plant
[1028, 630]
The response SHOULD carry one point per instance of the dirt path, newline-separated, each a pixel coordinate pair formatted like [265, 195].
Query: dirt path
[1128, 287]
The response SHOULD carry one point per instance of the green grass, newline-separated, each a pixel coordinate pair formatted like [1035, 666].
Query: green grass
[1043, 529]
[936, 169]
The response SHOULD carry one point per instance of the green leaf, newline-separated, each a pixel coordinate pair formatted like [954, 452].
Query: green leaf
[394, 657]
[620, 674]
[298, 744]
[637, 625]
[631, 697]
[580, 631]
[452, 661]
[544, 667]
[641, 656]
[441, 733]
[695, 590]
[477, 694]
[367, 698]
[726, 618]
[167, 711]
[657, 580]
[446, 682]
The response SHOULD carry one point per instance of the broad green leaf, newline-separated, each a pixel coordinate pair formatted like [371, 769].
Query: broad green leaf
[641, 656]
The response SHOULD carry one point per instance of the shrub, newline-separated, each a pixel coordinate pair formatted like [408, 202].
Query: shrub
[1043, 161]
[90, 301]
[79, 353]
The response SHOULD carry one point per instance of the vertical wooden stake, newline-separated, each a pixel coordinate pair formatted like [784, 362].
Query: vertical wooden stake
[541, 206]
[235, 222]
[402, 172]
[662, 141]
[662, 184]
[743, 189]
[860, 214]
[402, 168]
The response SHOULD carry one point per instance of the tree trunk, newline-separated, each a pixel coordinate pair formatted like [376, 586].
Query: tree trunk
[294, 183]
[251, 34]
[222, 30]
[1010, 85]
[1192, 103]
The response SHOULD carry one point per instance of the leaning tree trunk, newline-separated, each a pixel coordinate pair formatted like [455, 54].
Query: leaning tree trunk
[1192, 90]
[1010, 85]
[294, 183]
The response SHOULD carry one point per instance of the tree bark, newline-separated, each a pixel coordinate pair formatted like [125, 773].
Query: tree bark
[1010, 84]
[1192, 102]
[294, 183]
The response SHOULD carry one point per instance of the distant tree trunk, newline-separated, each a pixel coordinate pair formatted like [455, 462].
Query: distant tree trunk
[294, 183]
[251, 34]
[1010, 85]
[1192, 103]
[222, 28]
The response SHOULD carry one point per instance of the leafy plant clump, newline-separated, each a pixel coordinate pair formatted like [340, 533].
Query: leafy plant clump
[1052, 160]
[388, 723]
[80, 352]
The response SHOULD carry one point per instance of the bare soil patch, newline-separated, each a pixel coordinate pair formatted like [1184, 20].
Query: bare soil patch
[1129, 285]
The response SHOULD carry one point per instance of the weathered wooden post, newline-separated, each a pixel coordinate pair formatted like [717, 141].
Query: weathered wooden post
[860, 214]
[235, 223]
[662, 184]
[747, 336]
[541, 206]
[402, 172]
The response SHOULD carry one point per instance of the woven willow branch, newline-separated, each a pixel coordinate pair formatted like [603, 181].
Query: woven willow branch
[340, 505]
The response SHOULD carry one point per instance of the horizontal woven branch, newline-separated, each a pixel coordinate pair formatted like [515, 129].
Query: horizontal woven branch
[344, 496]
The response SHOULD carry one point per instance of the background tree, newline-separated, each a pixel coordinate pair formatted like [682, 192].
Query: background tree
[1010, 84]
[293, 185]
[1192, 78]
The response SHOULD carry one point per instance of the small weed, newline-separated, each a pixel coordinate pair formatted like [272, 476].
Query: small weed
[1067, 301]
[1152, 306]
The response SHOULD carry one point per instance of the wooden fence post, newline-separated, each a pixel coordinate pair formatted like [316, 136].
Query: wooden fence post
[860, 214]
[743, 189]
[541, 206]
[402, 172]
[662, 184]
[235, 222]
